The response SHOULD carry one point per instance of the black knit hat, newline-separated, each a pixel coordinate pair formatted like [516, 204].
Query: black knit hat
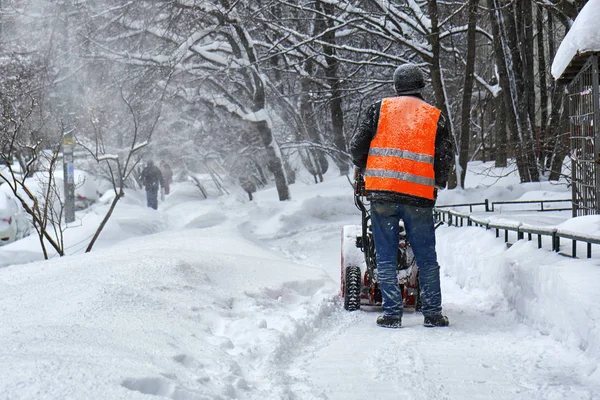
[408, 79]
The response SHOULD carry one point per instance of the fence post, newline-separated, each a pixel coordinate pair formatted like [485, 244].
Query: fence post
[487, 205]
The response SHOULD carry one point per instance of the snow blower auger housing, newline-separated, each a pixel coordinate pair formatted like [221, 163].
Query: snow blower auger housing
[359, 269]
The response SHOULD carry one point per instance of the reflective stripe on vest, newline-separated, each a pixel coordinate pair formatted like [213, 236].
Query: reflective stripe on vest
[402, 152]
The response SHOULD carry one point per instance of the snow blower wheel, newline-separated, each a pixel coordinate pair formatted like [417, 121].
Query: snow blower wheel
[352, 288]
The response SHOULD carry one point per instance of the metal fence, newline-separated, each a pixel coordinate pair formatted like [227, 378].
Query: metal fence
[584, 118]
[513, 231]
[490, 206]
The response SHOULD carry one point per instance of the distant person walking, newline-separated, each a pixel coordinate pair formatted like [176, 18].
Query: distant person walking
[167, 174]
[151, 179]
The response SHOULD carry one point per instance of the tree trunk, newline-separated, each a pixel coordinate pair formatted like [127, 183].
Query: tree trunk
[556, 150]
[508, 111]
[274, 161]
[541, 141]
[518, 95]
[527, 52]
[105, 219]
[560, 151]
[501, 158]
[307, 113]
[335, 103]
[508, 61]
[465, 128]
[557, 128]
[437, 80]
[558, 124]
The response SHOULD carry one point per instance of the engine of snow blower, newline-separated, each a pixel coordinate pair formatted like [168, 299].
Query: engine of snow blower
[359, 268]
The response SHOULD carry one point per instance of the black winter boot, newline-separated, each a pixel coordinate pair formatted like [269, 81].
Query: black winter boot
[435, 321]
[386, 321]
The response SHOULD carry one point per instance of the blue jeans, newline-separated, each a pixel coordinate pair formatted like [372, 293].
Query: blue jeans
[420, 231]
[152, 197]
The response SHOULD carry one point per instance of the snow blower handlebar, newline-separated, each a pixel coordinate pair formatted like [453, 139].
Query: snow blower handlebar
[359, 192]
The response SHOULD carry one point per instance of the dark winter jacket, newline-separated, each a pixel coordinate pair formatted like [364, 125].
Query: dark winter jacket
[152, 177]
[359, 149]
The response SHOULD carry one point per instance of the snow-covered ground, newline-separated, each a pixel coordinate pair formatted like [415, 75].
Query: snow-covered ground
[230, 299]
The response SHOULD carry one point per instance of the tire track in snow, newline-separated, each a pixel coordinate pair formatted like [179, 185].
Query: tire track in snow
[353, 358]
[484, 354]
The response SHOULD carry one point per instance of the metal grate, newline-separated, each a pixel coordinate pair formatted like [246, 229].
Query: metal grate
[585, 143]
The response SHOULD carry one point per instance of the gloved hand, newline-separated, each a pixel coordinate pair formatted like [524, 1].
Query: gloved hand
[357, 172]
[359, 182]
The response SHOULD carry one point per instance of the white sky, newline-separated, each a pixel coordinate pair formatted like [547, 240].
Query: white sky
[584, 36]
[229, 299]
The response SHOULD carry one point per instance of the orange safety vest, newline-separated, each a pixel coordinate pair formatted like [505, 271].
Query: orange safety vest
[402, 152]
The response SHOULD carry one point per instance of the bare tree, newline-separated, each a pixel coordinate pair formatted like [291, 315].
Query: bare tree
[41, 200]
[29, 145]
[334, 82]
[121, 162]
[272, 75]
[213, 54]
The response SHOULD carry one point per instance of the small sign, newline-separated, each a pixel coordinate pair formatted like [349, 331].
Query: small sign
[70, 173]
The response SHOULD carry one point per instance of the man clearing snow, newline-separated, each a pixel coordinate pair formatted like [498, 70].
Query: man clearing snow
[404, 145]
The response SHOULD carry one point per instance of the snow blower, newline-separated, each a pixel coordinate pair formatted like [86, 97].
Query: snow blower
[359, 269]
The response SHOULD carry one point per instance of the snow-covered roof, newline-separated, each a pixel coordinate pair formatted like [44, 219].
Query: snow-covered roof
[582, 40]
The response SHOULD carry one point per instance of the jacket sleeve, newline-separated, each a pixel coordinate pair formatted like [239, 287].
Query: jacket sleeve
[444, 153]
[361, 140]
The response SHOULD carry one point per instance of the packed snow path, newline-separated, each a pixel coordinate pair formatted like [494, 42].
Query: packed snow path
[486, 353]
[229, 299]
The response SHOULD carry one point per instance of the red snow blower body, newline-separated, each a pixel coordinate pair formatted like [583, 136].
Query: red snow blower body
[359, 268]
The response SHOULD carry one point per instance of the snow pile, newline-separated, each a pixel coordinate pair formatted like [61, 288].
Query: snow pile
[194, 316]
[546, 290]
[583, 37]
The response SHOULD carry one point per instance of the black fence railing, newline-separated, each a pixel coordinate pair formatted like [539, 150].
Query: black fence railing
[540, 202]
[491, 206]
[486, 204]
[518, 230]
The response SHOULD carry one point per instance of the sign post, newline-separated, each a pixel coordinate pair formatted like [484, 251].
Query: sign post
[69, 176]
